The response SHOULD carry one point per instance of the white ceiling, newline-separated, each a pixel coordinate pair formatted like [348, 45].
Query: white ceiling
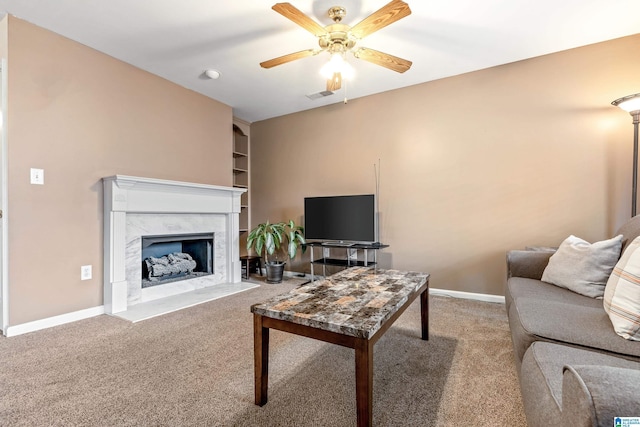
[179, 39]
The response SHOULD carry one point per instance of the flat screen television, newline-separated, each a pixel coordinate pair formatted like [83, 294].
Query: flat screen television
[340, 218]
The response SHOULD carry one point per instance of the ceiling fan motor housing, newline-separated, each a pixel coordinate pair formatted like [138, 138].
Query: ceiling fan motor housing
[337, 39]
[337, 13]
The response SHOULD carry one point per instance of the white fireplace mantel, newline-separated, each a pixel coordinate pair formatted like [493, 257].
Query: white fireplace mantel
[125, 195]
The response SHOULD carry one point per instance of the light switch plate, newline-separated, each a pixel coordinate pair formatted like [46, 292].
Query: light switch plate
[37, 176]
[85, 272]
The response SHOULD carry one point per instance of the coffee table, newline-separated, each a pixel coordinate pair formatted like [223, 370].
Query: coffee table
[352, 308]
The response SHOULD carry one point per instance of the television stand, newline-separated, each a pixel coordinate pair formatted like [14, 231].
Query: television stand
[337, 244]
[350, 260]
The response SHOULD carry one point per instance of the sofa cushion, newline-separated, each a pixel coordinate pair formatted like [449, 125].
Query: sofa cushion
[630, 230]
[532, 319]
[541, 378]
[622, 294]
[518, 287]
[530, 288]
[594, 395]
[528, 263]
[583, 267]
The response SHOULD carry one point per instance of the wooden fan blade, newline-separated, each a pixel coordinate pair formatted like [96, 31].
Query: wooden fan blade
[392, 12]
[383, 59]
[288, 58]
[291, 12]
[335, 82]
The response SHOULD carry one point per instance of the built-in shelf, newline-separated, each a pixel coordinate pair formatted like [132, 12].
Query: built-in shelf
[240, 170]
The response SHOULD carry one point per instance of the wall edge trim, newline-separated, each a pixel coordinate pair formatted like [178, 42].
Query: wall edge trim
[468, 295]
[50, 322]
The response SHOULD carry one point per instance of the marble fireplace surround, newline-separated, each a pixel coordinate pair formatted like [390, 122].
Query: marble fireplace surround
[135, 206]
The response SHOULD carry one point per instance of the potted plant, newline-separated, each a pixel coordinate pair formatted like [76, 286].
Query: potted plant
[266, 240]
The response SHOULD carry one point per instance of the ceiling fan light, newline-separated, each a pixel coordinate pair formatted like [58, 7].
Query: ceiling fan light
[337, 64]
[326, 71]
[334, 65]
[348, 71]
[628, 103]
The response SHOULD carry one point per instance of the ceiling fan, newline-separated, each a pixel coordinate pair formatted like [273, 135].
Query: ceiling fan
[338, 39]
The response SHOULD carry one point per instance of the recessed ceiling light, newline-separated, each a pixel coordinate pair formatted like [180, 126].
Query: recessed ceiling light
[212, 74]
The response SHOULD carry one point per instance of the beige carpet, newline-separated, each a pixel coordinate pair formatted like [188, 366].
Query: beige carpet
[194, 367]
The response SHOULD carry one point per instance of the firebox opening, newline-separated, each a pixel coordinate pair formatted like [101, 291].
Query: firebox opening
[170, 258]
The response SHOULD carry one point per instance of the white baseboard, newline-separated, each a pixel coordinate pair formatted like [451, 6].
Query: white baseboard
[468, 295]
[49, 322]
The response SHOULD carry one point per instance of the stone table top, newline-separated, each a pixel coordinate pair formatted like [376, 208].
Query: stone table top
[355, 302]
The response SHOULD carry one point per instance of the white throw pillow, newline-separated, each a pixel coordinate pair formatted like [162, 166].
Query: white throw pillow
[583, 267]
[622, 294]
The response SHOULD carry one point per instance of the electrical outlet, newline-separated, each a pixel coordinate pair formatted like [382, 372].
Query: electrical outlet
[85, 272]
[37, 176]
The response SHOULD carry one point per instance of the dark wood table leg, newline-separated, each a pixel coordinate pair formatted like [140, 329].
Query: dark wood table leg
[424, 313]
[245, 268]
[260, 359]
[364, 381]
[258, 266]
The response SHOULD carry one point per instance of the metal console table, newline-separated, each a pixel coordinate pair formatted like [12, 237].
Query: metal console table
[351, 259]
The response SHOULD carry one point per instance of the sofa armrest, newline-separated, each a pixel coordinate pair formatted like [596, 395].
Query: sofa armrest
[527, 264]
[595, 395]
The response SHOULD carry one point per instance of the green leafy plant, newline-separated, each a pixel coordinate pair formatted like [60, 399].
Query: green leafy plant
[266, 239]
[295, 237]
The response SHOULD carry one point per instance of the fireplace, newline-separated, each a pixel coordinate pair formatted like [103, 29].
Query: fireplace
[137, 208]
[169, 258]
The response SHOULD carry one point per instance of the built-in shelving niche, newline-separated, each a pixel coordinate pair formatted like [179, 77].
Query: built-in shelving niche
[241, 152]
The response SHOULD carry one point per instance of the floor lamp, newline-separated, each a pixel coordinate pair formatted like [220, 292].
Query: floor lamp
[631, 104]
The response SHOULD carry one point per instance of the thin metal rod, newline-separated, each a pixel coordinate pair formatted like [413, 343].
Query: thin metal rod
[634, 195]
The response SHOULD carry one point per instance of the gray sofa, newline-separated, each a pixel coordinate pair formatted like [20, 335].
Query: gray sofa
[574, 370]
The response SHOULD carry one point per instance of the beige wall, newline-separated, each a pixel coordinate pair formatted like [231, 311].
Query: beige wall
[81, 115]
[471, 166]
